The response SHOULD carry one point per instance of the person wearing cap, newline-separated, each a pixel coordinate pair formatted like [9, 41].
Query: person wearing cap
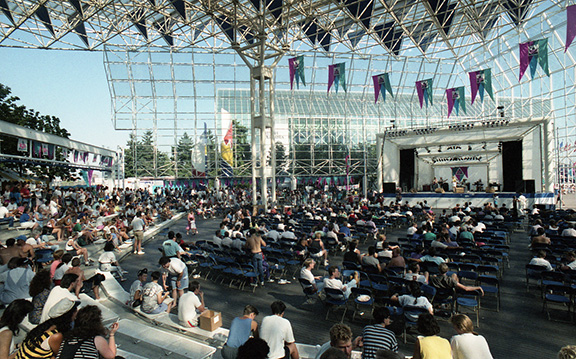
[45, 339]
[136, 288]
[254, 243]
[65, 290]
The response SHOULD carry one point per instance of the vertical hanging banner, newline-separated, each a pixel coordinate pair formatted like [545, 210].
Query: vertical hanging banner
[76, 156]
[226, 146]
[424, 89]
[45, 149]
[570, 25]
[479, 81]
[455, 97]
[533, 53]
[337, 76]
[95, 158]
[381, 85]
[296, 65]
[22, 145]
[85, 157]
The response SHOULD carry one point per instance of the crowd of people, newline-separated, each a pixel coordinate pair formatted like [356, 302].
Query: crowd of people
[65, 221]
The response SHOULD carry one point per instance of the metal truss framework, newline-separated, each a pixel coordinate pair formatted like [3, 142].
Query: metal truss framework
[169, 63]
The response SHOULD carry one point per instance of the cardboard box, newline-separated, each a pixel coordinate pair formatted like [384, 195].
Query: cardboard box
[210, 320]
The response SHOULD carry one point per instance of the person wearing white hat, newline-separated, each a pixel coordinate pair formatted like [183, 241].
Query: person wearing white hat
[44, 341]
[64, 291]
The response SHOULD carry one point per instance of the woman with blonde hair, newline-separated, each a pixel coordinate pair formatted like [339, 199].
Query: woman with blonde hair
[467, 344]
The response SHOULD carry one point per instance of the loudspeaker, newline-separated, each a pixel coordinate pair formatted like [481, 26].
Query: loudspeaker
[526, 186]
[407, 168]
[389, 187]
[512, 164]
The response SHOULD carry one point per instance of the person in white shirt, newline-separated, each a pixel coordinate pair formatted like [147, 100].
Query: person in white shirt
[467, 344]
[569, 232]
[66, 290]
[108, 262]
[306, 273]
[191, 305]
[540, 260]
[570, 257]
[177, 272]
[277, 333]
[335, 283]
[138, 226]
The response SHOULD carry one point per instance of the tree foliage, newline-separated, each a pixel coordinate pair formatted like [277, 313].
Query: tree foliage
[143, 158]
[13, 112]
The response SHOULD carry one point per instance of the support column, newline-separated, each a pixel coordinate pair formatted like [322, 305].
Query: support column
[548, 157]
[262, 119]
[379, 169]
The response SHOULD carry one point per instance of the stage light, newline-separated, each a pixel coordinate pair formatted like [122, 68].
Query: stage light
[469, 148]
[427, 149]
[440, 149]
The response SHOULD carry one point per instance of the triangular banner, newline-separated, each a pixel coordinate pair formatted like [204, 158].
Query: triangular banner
[455, 97]
[337, 76]
[296, 65]
[570, 25]
[533, 53]
[481, 81]
[424, 89]
[382, 85]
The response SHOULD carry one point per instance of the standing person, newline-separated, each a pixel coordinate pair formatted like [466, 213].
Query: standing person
[138, 226]
[430, 345]
[467, 344]
[277, 332]
[377, 336]
[191, 305]
[87, 339]
[240, 331]
[254, 243]
[191, 224]
[177, 272]
[9, 322]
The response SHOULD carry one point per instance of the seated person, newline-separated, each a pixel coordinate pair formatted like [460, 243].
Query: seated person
[191, 305]
[540, 238]
[306, 273]
[442, 281]
[397, 260]
[153, 298]
[334, 282]
[353, 254]
[432, 257]
[341, 339]
[414, 299]
[569, 232]
[137, 287]
[370, 261]
[414, 274]
[540, 260]
[570, 258]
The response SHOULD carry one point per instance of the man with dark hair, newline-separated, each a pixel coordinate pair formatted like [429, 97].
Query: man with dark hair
[377, 336]
[340, 339]
[277, 332]
[335, 283]
[442, 281]
[177, 271]
[66, 289]
[240, 331]
[255, 244]
[371, 260]
[191, 305]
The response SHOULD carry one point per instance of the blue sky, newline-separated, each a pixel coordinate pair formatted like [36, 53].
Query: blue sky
[70, 85]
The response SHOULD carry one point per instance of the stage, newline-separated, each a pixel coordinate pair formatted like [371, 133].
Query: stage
[478, 199]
